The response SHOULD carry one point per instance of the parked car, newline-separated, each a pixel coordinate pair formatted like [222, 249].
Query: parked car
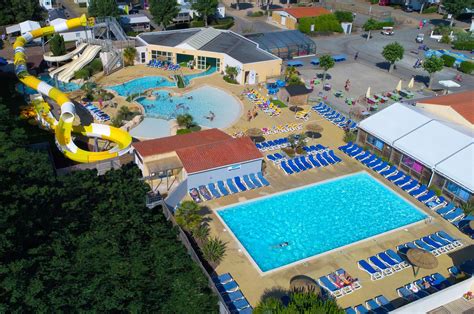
[408, 8]
[387, 30]
[419, 38]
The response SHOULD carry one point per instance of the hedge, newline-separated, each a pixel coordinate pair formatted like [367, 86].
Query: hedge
[372, 24]
[466, 67]
[464, 45]
[322, 23]
[448, 60]
[344, 16]
[433, 9]
[224, 23]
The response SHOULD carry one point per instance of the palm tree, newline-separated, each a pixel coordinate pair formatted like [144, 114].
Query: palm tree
[129, 54]
[187, 216]
[185, 120]
[290, 71]
[201, 233]
[468, 208]
[297, 141]
[214, 250]
[269, 305]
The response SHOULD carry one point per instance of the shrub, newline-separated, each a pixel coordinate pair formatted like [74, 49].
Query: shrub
[433, 9]
[322, 23]
[435, 189]
[445, 39]
[374, 1]
[180, 81]
[230, 80]
[197, 23]
[349, 137]
[464, 45]
[344, 16]
[183, 131]
[448, 60]
[466, 67]
[82, 74]
[57, 46]
[372, 24]
[279, 103]
[224, 23]
[95, 66]
[214, 250]
[255, 14]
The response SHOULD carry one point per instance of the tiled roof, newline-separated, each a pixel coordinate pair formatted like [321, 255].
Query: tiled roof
[218, 154]
[173, 143]
[306, 12]
[462, 103]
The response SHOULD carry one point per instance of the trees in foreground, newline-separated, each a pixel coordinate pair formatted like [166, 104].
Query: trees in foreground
[300, 302]
[164, 11]
[86, 243]
[392, 53]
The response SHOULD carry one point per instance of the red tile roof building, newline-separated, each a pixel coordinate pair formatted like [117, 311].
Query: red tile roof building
[306, 12]
[462, 103]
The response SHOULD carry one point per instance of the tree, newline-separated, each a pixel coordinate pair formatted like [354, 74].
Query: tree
[290, 71]
[185, 120]
[164, 11]
[432, 65]
[214, 250]
[201, 233]
[392, 53]
[297, 141]
[455, 7]
[102, 8]
[188, 217]
[370, 26]
[326, 62]
[205, 8]
[129, 54]
[17, 11]
[57, 46]
[300, 302]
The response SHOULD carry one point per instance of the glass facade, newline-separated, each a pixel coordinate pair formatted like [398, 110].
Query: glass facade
[412, 164]
[375, 142]
[162, 55]
[457, 191]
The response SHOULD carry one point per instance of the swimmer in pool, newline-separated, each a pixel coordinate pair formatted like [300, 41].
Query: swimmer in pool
[281, 245]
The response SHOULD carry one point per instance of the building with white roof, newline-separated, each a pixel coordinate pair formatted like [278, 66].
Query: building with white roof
[135, 22]
[432, 149]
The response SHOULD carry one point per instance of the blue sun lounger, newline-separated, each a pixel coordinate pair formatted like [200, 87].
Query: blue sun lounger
[428, 196]
[262, 179]
[439, 281]
[376, 162]
[406, 294]
[233, 189]
[248, 182]
[361, 309]
[389, 261]
[239, 305]
[222, 188]
[417, 192]
[299, 164]
[444, 210]
[205, 192]
[388, 172]
[434, 244]
[255, 181]
[369, 159]
[412, 185]
[321, 160]
[306, 163]
[239, 184]
[422, 245]
[420, 293]
[293, 167]
[397, 258]
[363, 156]
[456, 214]
[374, 306]
[328, 158]
[344, 147]
[403, 249]
[352, 149]
[334, 157]
[387, 271]
[233, 296]
[439, 201]
[449, 238]
[375, 274]
[286, 168]
[330, 287]
[350, 310]
[224, 278]
[396, 177]
[314, 161]
[380, 167]
[445, 243]
[228, 287]
[403, 181]
[383, 301]
[212, 188]
[356, 152]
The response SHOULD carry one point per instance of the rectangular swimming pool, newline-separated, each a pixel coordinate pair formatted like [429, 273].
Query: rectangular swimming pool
[316, 219]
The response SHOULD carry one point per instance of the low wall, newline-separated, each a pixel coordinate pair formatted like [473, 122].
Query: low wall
[177, 195]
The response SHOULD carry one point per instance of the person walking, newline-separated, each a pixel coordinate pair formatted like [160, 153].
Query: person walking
[356, 55]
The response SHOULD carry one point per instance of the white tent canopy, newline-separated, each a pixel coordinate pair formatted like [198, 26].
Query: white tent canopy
[459, 167]
[393, 122]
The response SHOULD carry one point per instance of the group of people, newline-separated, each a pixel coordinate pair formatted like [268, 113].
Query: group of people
[252, 114]
[211, 116]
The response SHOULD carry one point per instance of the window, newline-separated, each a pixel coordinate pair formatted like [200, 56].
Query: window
[162, 55]
[458, 191]
[412, 164]
[375, 142]
[218, 65]
[201, 64]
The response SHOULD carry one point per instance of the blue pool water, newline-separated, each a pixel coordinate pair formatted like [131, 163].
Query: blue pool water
[198, 102]
[141, 84]
[317, 219]
[65, 87]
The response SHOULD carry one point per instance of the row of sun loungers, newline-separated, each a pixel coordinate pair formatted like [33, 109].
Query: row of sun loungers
[310, 161]
[383, 264]
[283, 128]
[437, 243]
[163, 64]
[334, 117]
[423, 287]
[451, 213]
[339, 283]
[273, 144]
[232, 295]
[97, 113]
[379, 304]
[231, 186]
[263, 103]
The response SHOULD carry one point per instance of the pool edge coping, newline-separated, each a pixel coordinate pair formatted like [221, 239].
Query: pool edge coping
[307, 259]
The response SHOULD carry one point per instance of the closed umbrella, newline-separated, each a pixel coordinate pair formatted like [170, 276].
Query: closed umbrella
[367, 95]
[399, 86]
[421, 259]
[411, 83]
[314, 130]
[303, 283]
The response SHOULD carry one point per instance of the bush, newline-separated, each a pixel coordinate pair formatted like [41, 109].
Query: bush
[95, 66]
[180, 81]
[82, 74]
[464, 45]
[448, 60]
[349, 137]
[230, 80]
[433, 9]
[372, 24]
[435, 189]
[466, 67]
[183, 131]
[344, 16]
[323, 23]
[445, 39]
[224, 23]
[197, 23]
[255, 14]
[279, 103]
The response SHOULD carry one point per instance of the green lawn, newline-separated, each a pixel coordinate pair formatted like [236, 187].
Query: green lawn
[279, 103]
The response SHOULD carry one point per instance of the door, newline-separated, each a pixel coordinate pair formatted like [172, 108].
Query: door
[143, 57]
[283, 20]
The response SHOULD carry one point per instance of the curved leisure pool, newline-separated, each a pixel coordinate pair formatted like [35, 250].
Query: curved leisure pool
[198, 102]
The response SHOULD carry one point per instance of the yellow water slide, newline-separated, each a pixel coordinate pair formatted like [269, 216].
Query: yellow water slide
[64, 127]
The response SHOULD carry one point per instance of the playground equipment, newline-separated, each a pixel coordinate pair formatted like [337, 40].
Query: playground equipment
[63, 128]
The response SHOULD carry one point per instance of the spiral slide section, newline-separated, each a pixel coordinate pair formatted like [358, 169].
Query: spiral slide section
[64, 128]
[50, 58]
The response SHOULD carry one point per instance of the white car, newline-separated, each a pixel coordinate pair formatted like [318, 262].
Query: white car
[387, 30]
